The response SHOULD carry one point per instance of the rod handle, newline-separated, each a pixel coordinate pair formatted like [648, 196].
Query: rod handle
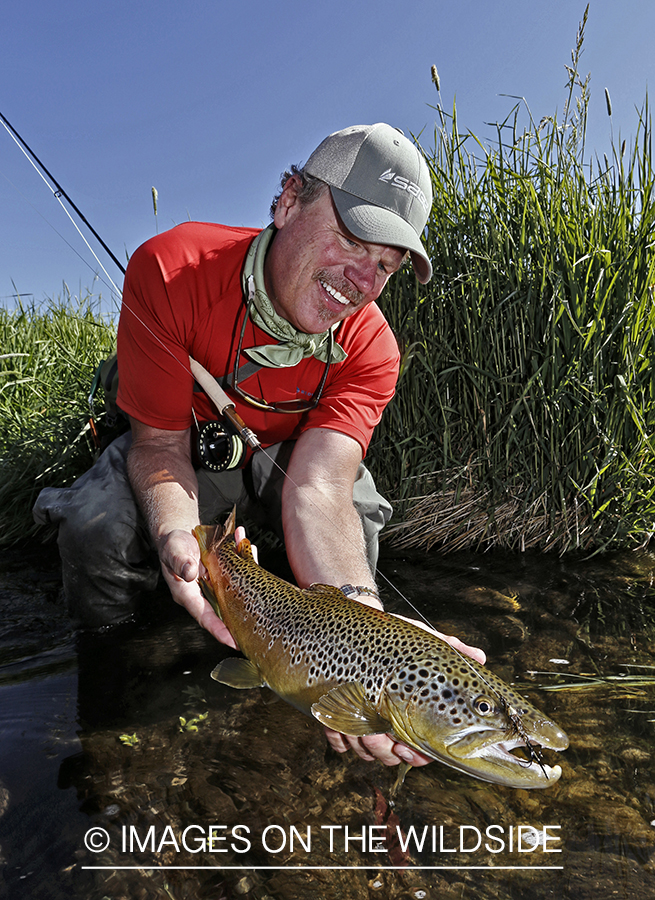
[222, 402]
[210, 386]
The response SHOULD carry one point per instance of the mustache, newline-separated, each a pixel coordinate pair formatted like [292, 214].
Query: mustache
[339, 283]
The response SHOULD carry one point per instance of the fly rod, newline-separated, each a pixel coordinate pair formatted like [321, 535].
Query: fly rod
[223, 403]
[59, 192]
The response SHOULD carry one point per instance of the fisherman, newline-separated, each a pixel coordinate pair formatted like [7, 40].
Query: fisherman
[285, 320]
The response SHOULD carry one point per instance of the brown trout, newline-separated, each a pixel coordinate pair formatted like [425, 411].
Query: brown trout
[362, 671]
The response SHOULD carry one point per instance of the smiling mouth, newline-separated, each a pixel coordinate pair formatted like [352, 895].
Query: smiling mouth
[334, 293]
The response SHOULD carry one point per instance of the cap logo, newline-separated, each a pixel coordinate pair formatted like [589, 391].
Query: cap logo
[404, 184]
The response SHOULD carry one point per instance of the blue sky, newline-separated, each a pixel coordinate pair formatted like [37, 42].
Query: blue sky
[210, 101]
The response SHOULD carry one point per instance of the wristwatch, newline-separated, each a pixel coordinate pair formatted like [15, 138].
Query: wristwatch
[352, 591]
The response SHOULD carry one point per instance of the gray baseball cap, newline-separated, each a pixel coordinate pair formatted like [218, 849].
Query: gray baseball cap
[380, 185]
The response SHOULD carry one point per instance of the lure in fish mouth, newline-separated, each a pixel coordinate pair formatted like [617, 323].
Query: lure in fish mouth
[475, 721]
[361, 671]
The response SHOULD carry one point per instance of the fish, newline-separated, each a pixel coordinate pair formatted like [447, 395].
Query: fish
[360, 671]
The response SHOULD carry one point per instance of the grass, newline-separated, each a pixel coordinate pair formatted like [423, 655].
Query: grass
[525, 410]
[46, 367]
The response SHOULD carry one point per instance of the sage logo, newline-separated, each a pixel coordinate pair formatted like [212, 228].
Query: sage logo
[404, 184]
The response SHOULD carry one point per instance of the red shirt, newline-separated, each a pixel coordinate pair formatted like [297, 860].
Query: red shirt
[183, 297]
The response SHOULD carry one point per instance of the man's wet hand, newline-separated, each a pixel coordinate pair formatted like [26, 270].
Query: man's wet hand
[180, 563]
[382, 747]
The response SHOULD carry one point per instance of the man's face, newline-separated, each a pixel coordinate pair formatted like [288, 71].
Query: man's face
[316, 272]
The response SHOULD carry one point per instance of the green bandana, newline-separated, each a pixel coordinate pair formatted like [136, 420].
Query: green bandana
[294, 345]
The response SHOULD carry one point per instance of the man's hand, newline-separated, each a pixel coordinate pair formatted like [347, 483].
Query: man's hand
[382, 747]
[181, 565]
[165, 484]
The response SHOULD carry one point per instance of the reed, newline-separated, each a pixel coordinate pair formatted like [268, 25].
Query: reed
[525, 409]
[47, 363]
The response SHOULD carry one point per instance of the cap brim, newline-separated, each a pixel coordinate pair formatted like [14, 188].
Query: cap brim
[378, 225]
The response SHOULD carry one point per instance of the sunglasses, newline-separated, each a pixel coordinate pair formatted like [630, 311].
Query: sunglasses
[283, 406]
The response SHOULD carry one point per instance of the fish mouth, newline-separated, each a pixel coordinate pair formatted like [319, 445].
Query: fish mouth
[491, 757]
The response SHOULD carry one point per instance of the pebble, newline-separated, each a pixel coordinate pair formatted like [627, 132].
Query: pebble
[634, 755]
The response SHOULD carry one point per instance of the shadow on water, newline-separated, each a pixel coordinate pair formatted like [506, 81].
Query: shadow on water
[124, 737]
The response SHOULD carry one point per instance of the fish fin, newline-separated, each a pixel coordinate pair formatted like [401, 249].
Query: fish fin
[210, 537]
[209, 595]
[347, 709]
[230, 523]
[204, 534]
[244, 550]
[238, 673]
[334, 592]
[403, 769]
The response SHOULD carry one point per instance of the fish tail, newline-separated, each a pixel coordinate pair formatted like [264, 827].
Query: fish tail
[210, 537]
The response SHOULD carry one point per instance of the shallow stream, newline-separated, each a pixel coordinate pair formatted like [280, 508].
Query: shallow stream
[124, 738]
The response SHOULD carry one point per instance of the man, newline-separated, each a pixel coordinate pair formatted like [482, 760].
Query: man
[286, 319]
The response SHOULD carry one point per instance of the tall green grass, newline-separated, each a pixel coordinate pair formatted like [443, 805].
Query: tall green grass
[46, 367]
[525, 410]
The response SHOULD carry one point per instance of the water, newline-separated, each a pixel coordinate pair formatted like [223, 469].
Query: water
[127, 733]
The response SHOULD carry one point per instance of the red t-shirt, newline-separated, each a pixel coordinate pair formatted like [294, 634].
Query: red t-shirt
[183, 297]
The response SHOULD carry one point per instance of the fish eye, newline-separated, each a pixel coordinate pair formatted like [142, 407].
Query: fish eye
[483, 706]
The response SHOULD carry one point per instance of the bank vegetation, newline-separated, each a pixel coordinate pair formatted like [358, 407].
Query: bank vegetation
[525, 410]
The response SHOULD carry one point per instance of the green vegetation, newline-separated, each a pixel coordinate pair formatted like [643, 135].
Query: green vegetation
[46, 367]
[525, 409]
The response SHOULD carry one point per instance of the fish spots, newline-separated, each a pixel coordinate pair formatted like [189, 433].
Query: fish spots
[327, 639]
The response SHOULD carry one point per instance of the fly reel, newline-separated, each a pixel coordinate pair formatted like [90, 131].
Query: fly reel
[218, 448]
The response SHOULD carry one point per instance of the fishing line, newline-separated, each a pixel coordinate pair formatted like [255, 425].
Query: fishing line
[32, 156]
[58, 233]
[250, 437]
[58, 192]
[113, 284]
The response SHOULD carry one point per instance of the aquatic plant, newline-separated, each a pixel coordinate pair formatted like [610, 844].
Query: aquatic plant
[525, 409]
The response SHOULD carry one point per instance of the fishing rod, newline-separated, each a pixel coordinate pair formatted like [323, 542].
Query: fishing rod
[218, 396]
[227, 409]
[209, 384]
[59, 192]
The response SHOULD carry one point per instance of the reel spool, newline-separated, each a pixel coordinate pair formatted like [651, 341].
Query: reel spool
[218, 448]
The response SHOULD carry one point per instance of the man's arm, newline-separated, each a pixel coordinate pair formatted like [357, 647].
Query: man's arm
[165, 485]
[325, 543]
[322, 529]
